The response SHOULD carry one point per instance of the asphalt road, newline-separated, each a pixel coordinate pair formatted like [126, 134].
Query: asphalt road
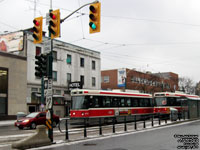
[162, 138]
[12, 130]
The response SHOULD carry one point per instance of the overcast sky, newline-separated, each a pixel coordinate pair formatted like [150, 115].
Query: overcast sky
[148, 35]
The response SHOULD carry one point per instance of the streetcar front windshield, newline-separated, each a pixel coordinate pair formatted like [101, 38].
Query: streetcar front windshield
[167, 101]
[79, 102]
[160, 101]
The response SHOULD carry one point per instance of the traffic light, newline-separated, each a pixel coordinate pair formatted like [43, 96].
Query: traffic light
[41, 63]
[37, 30]
[54, 24]
[95, 17]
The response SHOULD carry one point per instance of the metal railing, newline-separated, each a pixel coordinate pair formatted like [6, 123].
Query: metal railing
[136, 123]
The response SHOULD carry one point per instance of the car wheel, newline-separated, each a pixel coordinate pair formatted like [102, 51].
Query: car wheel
[21, 128]
[33, 125]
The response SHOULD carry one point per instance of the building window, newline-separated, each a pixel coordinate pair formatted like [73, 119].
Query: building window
[93, 81]
[106, 79]
[82, 79]
[54, 56]
[54, 75]
[69, 59]
[93, 65]
[3, 91]
[34, 89]
[69, 77]
[58, 92]
[82, 62]
[66, 92]
[37, 51]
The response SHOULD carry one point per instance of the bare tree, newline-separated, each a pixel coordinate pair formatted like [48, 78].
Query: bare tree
[186, 85]
[197, 88]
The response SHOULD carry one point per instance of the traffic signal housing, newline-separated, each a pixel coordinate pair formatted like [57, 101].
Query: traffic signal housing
[41, 63]
[54, 23]
[95, 17]
[37, 30]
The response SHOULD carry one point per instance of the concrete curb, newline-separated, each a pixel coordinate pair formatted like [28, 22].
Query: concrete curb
[38, 139]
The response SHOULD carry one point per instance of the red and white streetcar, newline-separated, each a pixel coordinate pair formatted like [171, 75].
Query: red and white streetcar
[92, 104]
[164, 101]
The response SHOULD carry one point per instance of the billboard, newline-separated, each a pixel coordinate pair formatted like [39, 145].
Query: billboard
[11, 42]
[121, 77]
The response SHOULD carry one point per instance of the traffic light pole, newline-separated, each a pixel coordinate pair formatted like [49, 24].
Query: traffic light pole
[50, 72]
[62, 20]
[42, 93]
[50, 130]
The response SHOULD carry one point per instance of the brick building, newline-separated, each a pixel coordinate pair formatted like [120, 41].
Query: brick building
[145, 82]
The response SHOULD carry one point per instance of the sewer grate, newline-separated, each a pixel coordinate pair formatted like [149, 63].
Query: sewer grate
[117, 149]
[89, 144]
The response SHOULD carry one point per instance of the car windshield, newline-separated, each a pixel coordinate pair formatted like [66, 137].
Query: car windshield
[32, 115]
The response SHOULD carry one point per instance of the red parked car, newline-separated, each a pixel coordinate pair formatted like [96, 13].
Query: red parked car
[34, 119]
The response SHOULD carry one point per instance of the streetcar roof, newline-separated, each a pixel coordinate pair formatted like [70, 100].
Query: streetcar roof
[175, 94]
[76, 92]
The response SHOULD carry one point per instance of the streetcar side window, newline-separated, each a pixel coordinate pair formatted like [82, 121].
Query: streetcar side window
[171, 101]
[134, 102]
[128, 102]
[150, 102]
[178, 101]
[144, 102]
[122, 102]
[106, 101]
[95, 102]
[114, 102]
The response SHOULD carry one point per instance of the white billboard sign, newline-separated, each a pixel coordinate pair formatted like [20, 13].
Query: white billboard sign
[11, 42]
[121, 77]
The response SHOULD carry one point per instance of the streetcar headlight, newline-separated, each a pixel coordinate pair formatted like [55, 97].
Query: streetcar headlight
[82, 113]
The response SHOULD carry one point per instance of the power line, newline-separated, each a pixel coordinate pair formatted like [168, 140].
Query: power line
[81, 21]
[7, 25]
[116, 45]
[152, 20]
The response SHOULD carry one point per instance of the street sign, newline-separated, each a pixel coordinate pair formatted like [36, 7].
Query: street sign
[49, 102]
[47, 18]
[48, 93]
[48, 115]
[50, 82]
[47, 46]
